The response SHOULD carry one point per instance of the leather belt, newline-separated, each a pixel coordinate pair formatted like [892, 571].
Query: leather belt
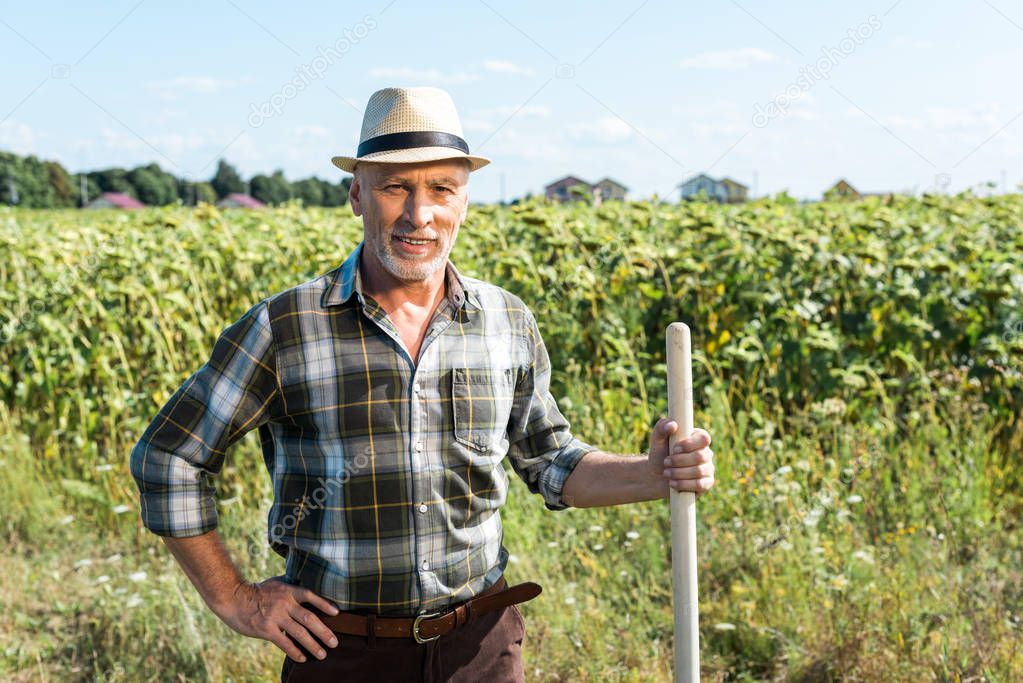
[427, 627]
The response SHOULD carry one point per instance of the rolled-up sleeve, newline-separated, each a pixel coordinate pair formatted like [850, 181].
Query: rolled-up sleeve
[183, 448]
[542, 450]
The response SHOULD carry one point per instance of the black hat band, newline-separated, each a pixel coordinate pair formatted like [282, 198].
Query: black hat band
[408, 140]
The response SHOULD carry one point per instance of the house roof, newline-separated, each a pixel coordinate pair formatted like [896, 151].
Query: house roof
[121, 200]
[243, 200]
[697, 177]
[728, 181]
[561, 181]
[610, 181]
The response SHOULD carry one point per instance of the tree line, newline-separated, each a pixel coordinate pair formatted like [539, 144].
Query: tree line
[34, 183]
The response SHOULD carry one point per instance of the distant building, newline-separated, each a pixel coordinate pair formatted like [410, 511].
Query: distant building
[725, 190]
[844, 190]
[607, 189]
[560, 190]
[114, 200]
[237, 200]
[735, 191]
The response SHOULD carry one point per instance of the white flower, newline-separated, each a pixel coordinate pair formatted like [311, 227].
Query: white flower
[68, 519]
[569, 600]
[102, 579]
[854, 499]
[596, 528]
[82, 563]
[784, 469]
[134, 601]
[121, 509]
[137, 576]
[724, 626]
[552, 544]
[632, 534]
[864, 556]
[106, 467]
[514, 559]
[116, 557]
[599, 546]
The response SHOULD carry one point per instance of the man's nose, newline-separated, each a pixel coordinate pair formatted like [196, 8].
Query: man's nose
[418, 209]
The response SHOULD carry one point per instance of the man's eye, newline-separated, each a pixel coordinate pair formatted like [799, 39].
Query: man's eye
[441, 188]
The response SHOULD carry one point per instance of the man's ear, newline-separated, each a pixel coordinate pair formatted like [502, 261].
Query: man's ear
[465, 209]
[355, 194]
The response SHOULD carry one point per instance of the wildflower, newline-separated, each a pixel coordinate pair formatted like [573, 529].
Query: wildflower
[569, 600]
[67, 520]
[598, 547]
[864, 556]
[82, 563]
[552, 544]
[514, 559]
[121, 509]
[137, 576]
[784, 469]
[724, 626]
[596, 528]
[105, 467]
[854, 499]
[134, 601]
[632, 534]
[102, 579]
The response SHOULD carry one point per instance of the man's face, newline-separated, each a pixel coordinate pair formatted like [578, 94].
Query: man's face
[411, 213]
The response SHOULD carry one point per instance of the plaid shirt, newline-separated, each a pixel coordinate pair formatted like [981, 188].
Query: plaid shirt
[387, 475]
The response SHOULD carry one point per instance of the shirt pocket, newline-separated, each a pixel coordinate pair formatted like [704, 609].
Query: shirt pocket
[481, 400]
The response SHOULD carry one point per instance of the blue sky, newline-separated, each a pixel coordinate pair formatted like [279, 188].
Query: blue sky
[892, 95]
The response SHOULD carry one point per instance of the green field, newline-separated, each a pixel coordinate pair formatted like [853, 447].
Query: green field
[858, 365]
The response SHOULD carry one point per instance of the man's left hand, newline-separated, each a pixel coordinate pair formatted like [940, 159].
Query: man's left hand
[689, 466]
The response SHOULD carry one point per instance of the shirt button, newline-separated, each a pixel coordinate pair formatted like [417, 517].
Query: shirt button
[422, 507]
[426, 565]
[419, 447]
[417, 387]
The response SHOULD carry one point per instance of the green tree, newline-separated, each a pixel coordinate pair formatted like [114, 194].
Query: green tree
[226, 180]
[309, 190]
[113, 180]
[272, 189]
[153, 185]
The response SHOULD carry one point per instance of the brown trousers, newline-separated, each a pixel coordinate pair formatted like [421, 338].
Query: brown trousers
[487, 648]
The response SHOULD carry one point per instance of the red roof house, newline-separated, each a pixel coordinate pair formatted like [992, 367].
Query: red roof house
[114, 200]
[241, 201]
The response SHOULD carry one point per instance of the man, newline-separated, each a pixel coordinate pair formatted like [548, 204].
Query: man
[387, 392]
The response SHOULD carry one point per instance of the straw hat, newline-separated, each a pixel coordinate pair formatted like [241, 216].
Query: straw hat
[409, 125]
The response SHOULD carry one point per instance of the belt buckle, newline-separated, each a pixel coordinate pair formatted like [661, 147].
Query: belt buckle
[415, 628]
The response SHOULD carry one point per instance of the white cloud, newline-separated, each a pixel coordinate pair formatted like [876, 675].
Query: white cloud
[503, 67]
[606, 129]
[977, 117]
[312, 131]
[175, 88]
[19, 138]
[728, 59]
[428, 75]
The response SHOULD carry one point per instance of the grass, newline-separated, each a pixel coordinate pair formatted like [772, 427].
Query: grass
[866, 521]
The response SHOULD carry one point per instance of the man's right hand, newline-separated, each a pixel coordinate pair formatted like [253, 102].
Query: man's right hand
[272, 610]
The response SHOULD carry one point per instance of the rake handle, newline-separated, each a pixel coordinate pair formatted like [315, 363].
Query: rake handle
[683, 511]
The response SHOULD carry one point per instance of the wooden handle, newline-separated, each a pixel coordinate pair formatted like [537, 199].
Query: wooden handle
[683, 512]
